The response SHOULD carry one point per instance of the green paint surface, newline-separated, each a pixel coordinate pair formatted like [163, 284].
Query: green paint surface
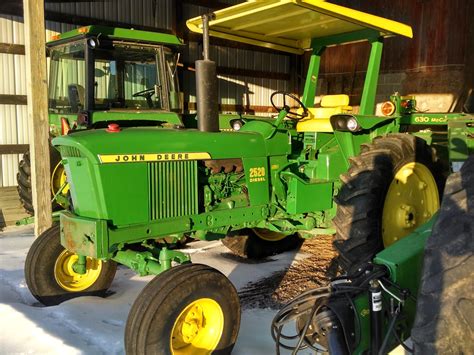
[118, 33]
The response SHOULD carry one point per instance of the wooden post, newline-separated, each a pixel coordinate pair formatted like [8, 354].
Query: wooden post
[37, 92]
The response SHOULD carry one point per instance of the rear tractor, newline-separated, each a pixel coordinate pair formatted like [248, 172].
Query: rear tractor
[418, 288]
[259, 189]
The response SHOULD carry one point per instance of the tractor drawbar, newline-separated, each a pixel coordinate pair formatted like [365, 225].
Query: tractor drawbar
[206, 85]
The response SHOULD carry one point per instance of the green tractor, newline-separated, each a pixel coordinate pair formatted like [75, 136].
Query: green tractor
[420, 287]
[259, 188]
[100, 75]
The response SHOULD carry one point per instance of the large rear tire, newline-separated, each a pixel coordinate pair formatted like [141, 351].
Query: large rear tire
[444, 322]
[390, 189]
[260, 243]
[50, 277]
[23, 178]
[189, 309]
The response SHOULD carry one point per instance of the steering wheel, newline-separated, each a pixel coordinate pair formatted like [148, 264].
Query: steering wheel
[290, 114]
[145, 93]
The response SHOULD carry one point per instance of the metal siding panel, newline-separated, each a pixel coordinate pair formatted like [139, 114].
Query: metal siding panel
[2, 139]
[18, 30]
[8, 129]
[7, 86]
[133, 12]
[22, 124]
[6, 35]
[20, 74]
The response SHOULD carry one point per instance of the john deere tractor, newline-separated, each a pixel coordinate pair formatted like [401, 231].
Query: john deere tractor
[259, 188]
[419, 287]
[101, 74]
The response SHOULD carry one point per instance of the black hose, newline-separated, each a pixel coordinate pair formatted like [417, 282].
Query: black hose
[290, 312]
[310, 302]
[389, 331]
[305, 304]
[404, 346]
[305, 328]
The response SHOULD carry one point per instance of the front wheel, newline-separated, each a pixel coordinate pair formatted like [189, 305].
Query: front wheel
[390, 189]
[189, 309]
[51, 278]
[258, 243]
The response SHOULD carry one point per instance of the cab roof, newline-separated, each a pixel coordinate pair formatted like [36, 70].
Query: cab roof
[116, 33]
[297, 25]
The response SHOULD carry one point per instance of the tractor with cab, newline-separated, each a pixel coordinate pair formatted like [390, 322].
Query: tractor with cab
[99, 75]
[310, 170]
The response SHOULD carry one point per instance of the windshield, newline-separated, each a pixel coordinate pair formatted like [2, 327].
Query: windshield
[67, 79]
[126, 76]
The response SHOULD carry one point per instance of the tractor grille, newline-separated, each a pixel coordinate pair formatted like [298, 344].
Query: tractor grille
[69, 152]
[173, 189]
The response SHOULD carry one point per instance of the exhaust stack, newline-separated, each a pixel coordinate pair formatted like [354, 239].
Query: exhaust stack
[206, 85]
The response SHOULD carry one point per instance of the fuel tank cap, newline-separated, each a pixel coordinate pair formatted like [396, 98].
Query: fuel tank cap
[113, 128]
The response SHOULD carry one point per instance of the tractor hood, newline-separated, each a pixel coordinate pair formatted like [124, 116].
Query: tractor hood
[144, 144]
[115, 174]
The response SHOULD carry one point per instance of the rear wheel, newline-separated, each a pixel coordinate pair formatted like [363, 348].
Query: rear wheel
[23, 178]
[257, 243]
[390, 189]
[59, 180]
[189, 309]
[444, 322]
[51, 278]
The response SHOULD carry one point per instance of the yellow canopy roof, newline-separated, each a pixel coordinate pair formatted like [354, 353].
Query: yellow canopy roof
[290, 25]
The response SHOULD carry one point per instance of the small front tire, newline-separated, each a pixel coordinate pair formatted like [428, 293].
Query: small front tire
[189, 309]
[50, 277]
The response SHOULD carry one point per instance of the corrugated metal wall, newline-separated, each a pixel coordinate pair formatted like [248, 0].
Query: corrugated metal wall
[13, 118]
[233, 90]
[149, 13]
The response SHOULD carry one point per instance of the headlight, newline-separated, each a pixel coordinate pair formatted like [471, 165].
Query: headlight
[345, 123]
[92, 43]
[236, 124]
[352, 124]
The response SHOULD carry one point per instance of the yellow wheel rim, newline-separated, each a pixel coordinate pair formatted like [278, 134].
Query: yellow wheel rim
[198, 328]
[70, 280]
[269, 235]
[411, 200]
[58, 179]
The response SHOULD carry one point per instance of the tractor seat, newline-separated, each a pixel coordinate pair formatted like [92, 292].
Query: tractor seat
[76, 97]
[318, 117]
